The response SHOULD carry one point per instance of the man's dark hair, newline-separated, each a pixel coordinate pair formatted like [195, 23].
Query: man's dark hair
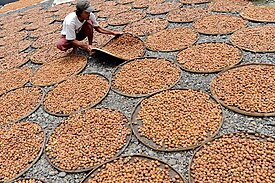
[78, 12]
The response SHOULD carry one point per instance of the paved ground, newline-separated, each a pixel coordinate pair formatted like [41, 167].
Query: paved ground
[179, 160]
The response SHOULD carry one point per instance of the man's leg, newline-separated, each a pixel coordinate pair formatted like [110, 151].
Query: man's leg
[63, 44]
[87, 30]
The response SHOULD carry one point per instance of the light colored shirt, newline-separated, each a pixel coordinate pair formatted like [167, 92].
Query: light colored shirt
[72, 25]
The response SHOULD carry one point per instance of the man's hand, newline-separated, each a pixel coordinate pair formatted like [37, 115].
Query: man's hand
[83, 45]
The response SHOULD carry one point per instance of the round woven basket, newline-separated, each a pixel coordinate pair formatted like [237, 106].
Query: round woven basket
[172, 172]
[149, 143]
[236, 109]
[128, 139]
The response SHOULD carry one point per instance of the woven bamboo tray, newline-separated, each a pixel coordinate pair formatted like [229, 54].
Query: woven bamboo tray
[124, 21]
[215, 34]
[187, 20]
[128, 139]
[60, 80]
[248, 49]
[152, 10]
[102, 50]
[244, 16]
[172, 172]
[176, 49]
[236, 109]
[190, 179]
[33, 162]
[35, 109]
[141, 32]
[149, 143]
[117, 69]
[108, 53]
[229, 11]
[82, 109]
[17, 86]
[211, 71]
[47, 47]
[25, 60]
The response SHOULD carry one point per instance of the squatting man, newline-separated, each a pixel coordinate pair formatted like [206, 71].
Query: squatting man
[78, 25]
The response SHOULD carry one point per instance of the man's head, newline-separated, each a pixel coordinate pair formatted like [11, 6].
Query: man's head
[84, 5]
[83, 8]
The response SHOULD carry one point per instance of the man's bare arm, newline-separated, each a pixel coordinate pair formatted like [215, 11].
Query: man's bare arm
[106, 31]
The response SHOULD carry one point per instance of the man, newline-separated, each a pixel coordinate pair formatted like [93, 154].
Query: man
[78, 25]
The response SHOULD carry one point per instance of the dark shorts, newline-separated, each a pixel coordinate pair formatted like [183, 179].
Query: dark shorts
[63, 44]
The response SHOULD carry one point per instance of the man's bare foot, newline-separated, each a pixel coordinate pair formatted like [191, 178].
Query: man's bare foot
[73, 52]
